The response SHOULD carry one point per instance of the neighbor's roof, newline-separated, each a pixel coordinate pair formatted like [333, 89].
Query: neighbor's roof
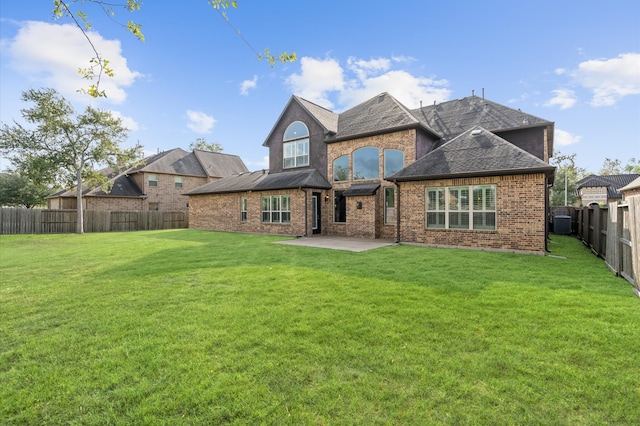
[174, 162]
[613, 183]
[262, 180]
[476, 152]
[635, 184]
[382, 113]
[196, 163]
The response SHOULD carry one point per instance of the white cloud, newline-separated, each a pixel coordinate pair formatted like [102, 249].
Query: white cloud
[560, 71]
[564, 98]
[563, 138]
[51, 54]
[320, 81]
[247, 85]
[258, 165]
[200, 122]
[317, 77]
[610, 79]
[128, 122]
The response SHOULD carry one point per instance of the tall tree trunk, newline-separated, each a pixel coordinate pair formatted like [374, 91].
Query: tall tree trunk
[80, 223]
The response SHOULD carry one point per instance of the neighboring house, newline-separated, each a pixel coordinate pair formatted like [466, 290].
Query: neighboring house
[630, 190]
[159, 183]
[602, 189]
[467, 172]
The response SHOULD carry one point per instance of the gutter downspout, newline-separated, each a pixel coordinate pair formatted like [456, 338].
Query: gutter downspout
[306, 211]
[547, 214]
[395, 182]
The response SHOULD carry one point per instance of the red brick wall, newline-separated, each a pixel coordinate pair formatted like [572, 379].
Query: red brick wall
[368, 222]
[221, 212]
[520, 211]
[168, 197]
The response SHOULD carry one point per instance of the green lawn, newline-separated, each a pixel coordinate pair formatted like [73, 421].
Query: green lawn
[192, 327]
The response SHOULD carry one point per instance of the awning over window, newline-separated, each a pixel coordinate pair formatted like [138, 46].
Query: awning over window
[362, 189]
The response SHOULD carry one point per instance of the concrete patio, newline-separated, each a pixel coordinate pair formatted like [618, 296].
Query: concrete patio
[339, 243]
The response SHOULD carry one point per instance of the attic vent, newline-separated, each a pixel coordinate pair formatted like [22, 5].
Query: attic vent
[525, 121]
[476, 132]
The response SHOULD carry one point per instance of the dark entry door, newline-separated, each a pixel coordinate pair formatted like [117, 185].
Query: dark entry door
[315, 213]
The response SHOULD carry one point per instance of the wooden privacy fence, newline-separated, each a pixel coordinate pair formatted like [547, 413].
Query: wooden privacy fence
[613, 233]
[38, 221]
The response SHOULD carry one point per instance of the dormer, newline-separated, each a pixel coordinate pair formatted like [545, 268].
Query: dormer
[296, 142]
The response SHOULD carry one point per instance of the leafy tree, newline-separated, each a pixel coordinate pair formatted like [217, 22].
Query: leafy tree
[67, 146]
[632, 166]
[566, 172]
[99, 66]
[20, 191]
[614, 167]
[202, 144]
[610, 167]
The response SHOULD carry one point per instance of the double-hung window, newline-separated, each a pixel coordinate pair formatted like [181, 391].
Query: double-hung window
[276, 209]
[462, 207]
[177, 181]
[295, 146]
[152, 179]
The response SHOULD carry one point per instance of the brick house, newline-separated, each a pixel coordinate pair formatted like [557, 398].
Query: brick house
[630, 190]
[602, 189]
[469, 173]
[159, 183]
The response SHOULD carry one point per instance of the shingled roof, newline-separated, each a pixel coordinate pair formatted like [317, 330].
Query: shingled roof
[262, 180]
[455, 117]
[476, 152]
[380, 114]
[173, 162]
[613, 183]
[197, 163]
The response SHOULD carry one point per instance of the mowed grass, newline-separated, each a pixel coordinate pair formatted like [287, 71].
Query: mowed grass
[192, 327]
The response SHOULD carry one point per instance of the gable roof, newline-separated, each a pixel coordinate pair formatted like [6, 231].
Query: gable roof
[635, 184]
[327, 119]
[262, 180]
[380, 114]
[217, 164]
[613, 183]
[197, 163]
[174, 162]
[476, 152]
[455, 117]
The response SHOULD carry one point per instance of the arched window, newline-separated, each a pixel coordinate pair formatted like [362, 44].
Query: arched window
[393, 161]
[296, 145]
[366, 163]
[341, 169]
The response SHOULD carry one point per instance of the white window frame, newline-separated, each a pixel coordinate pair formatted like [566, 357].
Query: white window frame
[389, 211]
[177, 182]
[243, 209]
[295, 147]
[276, 209]
[152, 180]
[295, 154]
[460, 209]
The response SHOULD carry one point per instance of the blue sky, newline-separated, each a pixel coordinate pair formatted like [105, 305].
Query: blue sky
[576, 63]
